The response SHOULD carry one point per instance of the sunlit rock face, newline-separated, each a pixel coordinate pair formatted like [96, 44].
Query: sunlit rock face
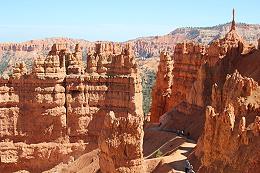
[184, 79]
[215, 99]
[231, 131]
[230, 139]
[63, 103]
[162, 88]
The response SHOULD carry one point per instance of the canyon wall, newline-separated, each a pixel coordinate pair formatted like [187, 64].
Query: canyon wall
[175, 77]
[144, 47]
[194, 68]
[215, 99]
[178, 110]
[63, 102]
[162, 88]
[230, 138]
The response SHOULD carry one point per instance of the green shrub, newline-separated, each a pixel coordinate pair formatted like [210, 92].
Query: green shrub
[148, 79]
[158, 154]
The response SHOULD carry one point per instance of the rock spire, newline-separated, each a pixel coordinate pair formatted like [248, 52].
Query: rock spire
[233, 26]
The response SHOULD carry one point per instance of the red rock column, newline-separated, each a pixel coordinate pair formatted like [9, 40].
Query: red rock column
[162, 89]
[121, 139]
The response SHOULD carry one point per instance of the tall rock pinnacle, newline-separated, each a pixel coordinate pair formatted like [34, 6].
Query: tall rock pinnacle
[233, 26]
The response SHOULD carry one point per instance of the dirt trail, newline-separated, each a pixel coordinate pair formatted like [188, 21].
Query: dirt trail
[168, 149]
[164, 152]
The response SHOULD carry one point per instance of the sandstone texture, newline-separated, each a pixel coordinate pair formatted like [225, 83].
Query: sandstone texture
[174, 95]
[152, 46]
[144, 47]
[163, 87]
[147, 49]
[58, 110]
[67, 113]
[214, 98]
[230, 140]
[194, 69]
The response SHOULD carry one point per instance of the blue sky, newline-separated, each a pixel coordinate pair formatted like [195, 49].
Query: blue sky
[116, 20]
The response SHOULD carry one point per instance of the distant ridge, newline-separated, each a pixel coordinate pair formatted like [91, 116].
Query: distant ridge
[145, 47]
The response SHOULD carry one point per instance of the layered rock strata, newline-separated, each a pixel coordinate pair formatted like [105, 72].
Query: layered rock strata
[210, 97]
[195, 69]
[63, 102]
[121, 138]
[175, 77]
[230, 138]
[186, 64]
[163, 86]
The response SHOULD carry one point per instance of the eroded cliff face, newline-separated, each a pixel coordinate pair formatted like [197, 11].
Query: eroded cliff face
[209, 79]
[230, 138]
[64, 104]
[163, 86]
[231, 131]
[121, 138]
[175, 77]
[121, 144]
[175, 80]
[195, 69]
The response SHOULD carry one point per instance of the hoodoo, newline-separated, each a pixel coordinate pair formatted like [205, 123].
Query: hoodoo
[64, 104]
[78, 106]
[213, 97]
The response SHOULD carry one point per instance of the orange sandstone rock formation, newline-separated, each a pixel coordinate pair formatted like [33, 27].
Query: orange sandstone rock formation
[64, 104]
[163, 87]
[230, 140]
[195, 69]
[186, 64]
[179, 75]
[201, 83]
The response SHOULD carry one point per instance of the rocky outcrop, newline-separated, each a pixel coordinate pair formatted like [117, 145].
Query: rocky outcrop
[224, 109]
[195, 70]
[175, 80]
[62, 102]
[230, 138]
[39, 157]
[144, 47]
[121, 138]
[163, 87]
[44, 44]
[152, 46]
[188, 59]
[121, 143]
